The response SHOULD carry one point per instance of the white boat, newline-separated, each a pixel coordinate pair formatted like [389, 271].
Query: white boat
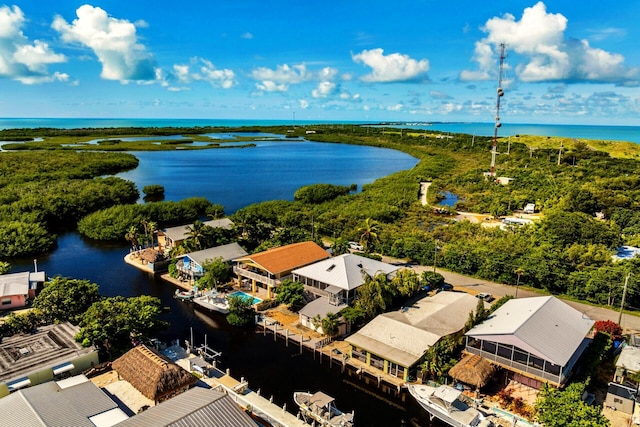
[213, 300]
[445, 403]
[319, 407]
[184, 295]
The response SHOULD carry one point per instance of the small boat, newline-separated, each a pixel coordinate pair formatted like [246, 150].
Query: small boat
[447, 404]
[213, 300]
[319, 407]
[184, 295]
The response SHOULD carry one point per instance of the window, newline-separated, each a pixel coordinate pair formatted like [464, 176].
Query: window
[616, 400]
[6, 301]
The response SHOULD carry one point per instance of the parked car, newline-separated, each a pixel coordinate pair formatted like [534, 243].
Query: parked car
[445, 287]
[356, 246]
[485, 296]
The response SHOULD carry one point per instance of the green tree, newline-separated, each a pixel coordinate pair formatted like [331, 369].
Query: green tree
[5, 267]
[152, 228]
[340, 246]
[369, 234]
[331, 324]
[375, 295]
[66, 299]
[565, 408]
[290, 293]
[132, 236]
[241, 312]
[216, 273]
[431, 279]
[407, 282]
[114, 324]
[195, 235]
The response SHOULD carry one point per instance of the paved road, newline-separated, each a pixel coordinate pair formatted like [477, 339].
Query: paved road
[474, 286]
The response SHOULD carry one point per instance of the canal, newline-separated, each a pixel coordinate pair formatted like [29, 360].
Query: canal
[271, 367]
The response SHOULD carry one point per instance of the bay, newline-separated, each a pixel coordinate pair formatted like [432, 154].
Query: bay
[273, 170]
[235, 178]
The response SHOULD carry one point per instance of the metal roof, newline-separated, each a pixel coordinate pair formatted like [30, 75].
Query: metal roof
[345, 271]
[543, 326]
[181, 232]
[49, 346]
[322, 307]
[629, 359]
[14, 284]
[49, 405]
[226, 252]
[194, 408]
[403, 336]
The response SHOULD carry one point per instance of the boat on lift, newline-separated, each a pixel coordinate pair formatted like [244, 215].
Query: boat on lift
[319, 408]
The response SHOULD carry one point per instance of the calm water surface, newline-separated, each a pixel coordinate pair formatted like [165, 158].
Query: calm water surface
[236, 178]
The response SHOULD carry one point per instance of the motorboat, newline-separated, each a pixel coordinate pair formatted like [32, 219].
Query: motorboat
[213, 300]
[448, 405]
[184, 295]
[319, 407]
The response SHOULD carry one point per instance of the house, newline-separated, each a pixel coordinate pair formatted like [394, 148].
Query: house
[627, 364]
[152, 373]
[17, 288]
[169, 238]
[267, 269]
[535, 340]
[333, 283]
[191, 264]
[194, 408]
[621, 397]
[49, 353]
[529, 208]
[396, 342]
[74, 401]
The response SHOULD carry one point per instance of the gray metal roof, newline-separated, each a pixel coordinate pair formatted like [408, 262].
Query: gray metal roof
[14, 284]
[345, 271]
[629, 359]
[194, 408]
[50, 346]
[181, 232]
[543, 326]
[403, 336]
[226, 252]
[320, 306]
[49, 405]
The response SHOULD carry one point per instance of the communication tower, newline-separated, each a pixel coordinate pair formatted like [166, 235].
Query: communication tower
[494, 148]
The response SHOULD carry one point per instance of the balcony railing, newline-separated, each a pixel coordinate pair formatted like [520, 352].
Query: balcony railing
[521, 367]
[255, 276]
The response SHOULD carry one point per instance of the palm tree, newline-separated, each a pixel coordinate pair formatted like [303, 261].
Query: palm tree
[369, 234]
[407, 282]
[375, 294]
[132, 235]
[152, 227]
[195, 234]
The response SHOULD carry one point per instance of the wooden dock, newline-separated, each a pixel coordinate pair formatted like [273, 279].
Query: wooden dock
[326, 350]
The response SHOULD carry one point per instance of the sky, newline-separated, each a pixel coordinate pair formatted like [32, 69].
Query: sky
[565, 62]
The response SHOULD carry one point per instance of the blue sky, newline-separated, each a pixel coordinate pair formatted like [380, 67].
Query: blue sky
[366, 60]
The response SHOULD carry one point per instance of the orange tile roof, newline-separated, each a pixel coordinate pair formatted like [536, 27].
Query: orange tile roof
[283, 259]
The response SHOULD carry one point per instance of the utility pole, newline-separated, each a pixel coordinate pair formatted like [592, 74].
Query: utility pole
[435, 255]
[500, 94]
[624, 295]
[560, 154]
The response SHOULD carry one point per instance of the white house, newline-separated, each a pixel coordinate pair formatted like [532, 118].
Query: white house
[333, 283]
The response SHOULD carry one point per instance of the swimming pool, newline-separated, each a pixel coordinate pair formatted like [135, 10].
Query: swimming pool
[253, 299]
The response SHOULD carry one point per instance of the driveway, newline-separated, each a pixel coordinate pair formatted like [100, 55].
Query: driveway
[630, 323]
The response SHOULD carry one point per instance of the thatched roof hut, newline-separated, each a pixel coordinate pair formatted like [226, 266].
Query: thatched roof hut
[152, 373]
[151, 255]
[473, 370]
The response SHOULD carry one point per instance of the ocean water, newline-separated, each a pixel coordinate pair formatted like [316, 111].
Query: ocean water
[608, 133]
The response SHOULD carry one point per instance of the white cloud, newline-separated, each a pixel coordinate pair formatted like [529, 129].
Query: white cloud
[539, 38]
[394, 67]
[198, 69]
[324, 89]
[114, 41]
[396, 107]
[304, 104]
[19, 58]
[281, 78]
[247, 36]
